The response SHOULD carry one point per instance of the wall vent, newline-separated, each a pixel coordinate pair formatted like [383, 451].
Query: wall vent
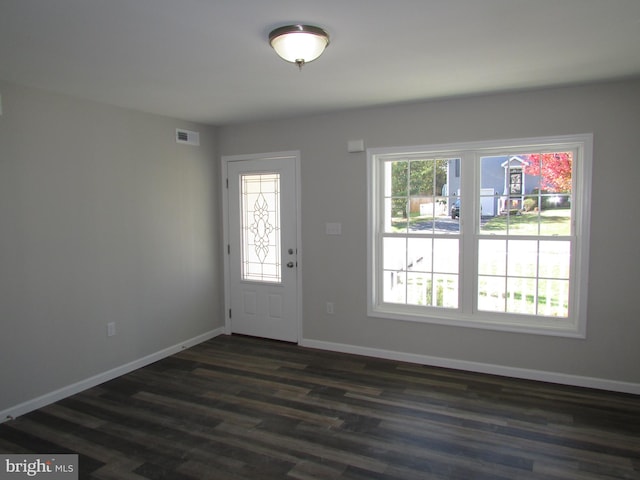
[187, 137]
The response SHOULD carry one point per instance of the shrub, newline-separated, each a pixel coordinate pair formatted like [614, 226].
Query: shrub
[530, 204]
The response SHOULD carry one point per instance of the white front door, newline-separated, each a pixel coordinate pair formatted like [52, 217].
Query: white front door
[262, 249]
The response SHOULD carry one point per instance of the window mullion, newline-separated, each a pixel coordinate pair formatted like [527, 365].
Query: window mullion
[470, 181]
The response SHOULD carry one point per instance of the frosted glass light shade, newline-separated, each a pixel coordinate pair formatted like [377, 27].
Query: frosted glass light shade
[299, 44]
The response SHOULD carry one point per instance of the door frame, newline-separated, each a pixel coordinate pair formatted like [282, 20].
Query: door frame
[226, 159]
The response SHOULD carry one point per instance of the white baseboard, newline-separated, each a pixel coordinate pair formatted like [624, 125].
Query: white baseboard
[64, 392]
[539, 375]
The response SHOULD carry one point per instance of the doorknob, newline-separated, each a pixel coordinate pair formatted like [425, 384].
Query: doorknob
[290, 264]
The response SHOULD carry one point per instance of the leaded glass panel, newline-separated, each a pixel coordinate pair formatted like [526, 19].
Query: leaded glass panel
[260, 228]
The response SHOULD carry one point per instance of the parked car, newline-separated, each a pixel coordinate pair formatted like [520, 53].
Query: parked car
[455, 210]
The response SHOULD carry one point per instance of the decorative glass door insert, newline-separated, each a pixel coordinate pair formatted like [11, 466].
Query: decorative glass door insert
[260, 227]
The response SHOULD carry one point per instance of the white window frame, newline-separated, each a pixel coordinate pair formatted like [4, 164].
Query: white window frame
[467, 314]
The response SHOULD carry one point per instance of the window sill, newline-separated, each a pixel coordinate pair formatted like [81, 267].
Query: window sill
[484, 320]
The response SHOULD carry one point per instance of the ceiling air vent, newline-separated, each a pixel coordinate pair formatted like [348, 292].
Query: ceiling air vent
[188, 137]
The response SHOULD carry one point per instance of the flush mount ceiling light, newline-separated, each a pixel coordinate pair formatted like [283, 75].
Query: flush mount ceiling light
[299, 44]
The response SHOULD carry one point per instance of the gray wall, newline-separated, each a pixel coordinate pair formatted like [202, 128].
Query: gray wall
[334, 190]
[103, 217]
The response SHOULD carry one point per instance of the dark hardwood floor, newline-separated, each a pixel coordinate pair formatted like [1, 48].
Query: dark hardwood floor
[237, 407]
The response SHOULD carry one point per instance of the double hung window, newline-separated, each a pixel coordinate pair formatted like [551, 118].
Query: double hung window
[486, 234]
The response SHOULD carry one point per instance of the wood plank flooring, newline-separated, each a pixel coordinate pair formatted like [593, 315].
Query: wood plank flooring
[244, 408]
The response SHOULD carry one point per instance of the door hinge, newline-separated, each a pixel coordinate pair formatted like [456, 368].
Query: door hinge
[229, 249]
[229, 313]
[227, 183]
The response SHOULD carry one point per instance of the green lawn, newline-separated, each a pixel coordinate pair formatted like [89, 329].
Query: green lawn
[551, 222]
[400, 223]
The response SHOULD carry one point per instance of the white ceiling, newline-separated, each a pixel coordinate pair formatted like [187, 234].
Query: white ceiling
[209, 60]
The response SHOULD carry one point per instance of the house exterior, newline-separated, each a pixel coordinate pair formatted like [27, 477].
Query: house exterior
[504, 184]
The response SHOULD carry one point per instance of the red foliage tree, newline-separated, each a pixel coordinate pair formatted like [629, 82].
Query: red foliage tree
[554, 170]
